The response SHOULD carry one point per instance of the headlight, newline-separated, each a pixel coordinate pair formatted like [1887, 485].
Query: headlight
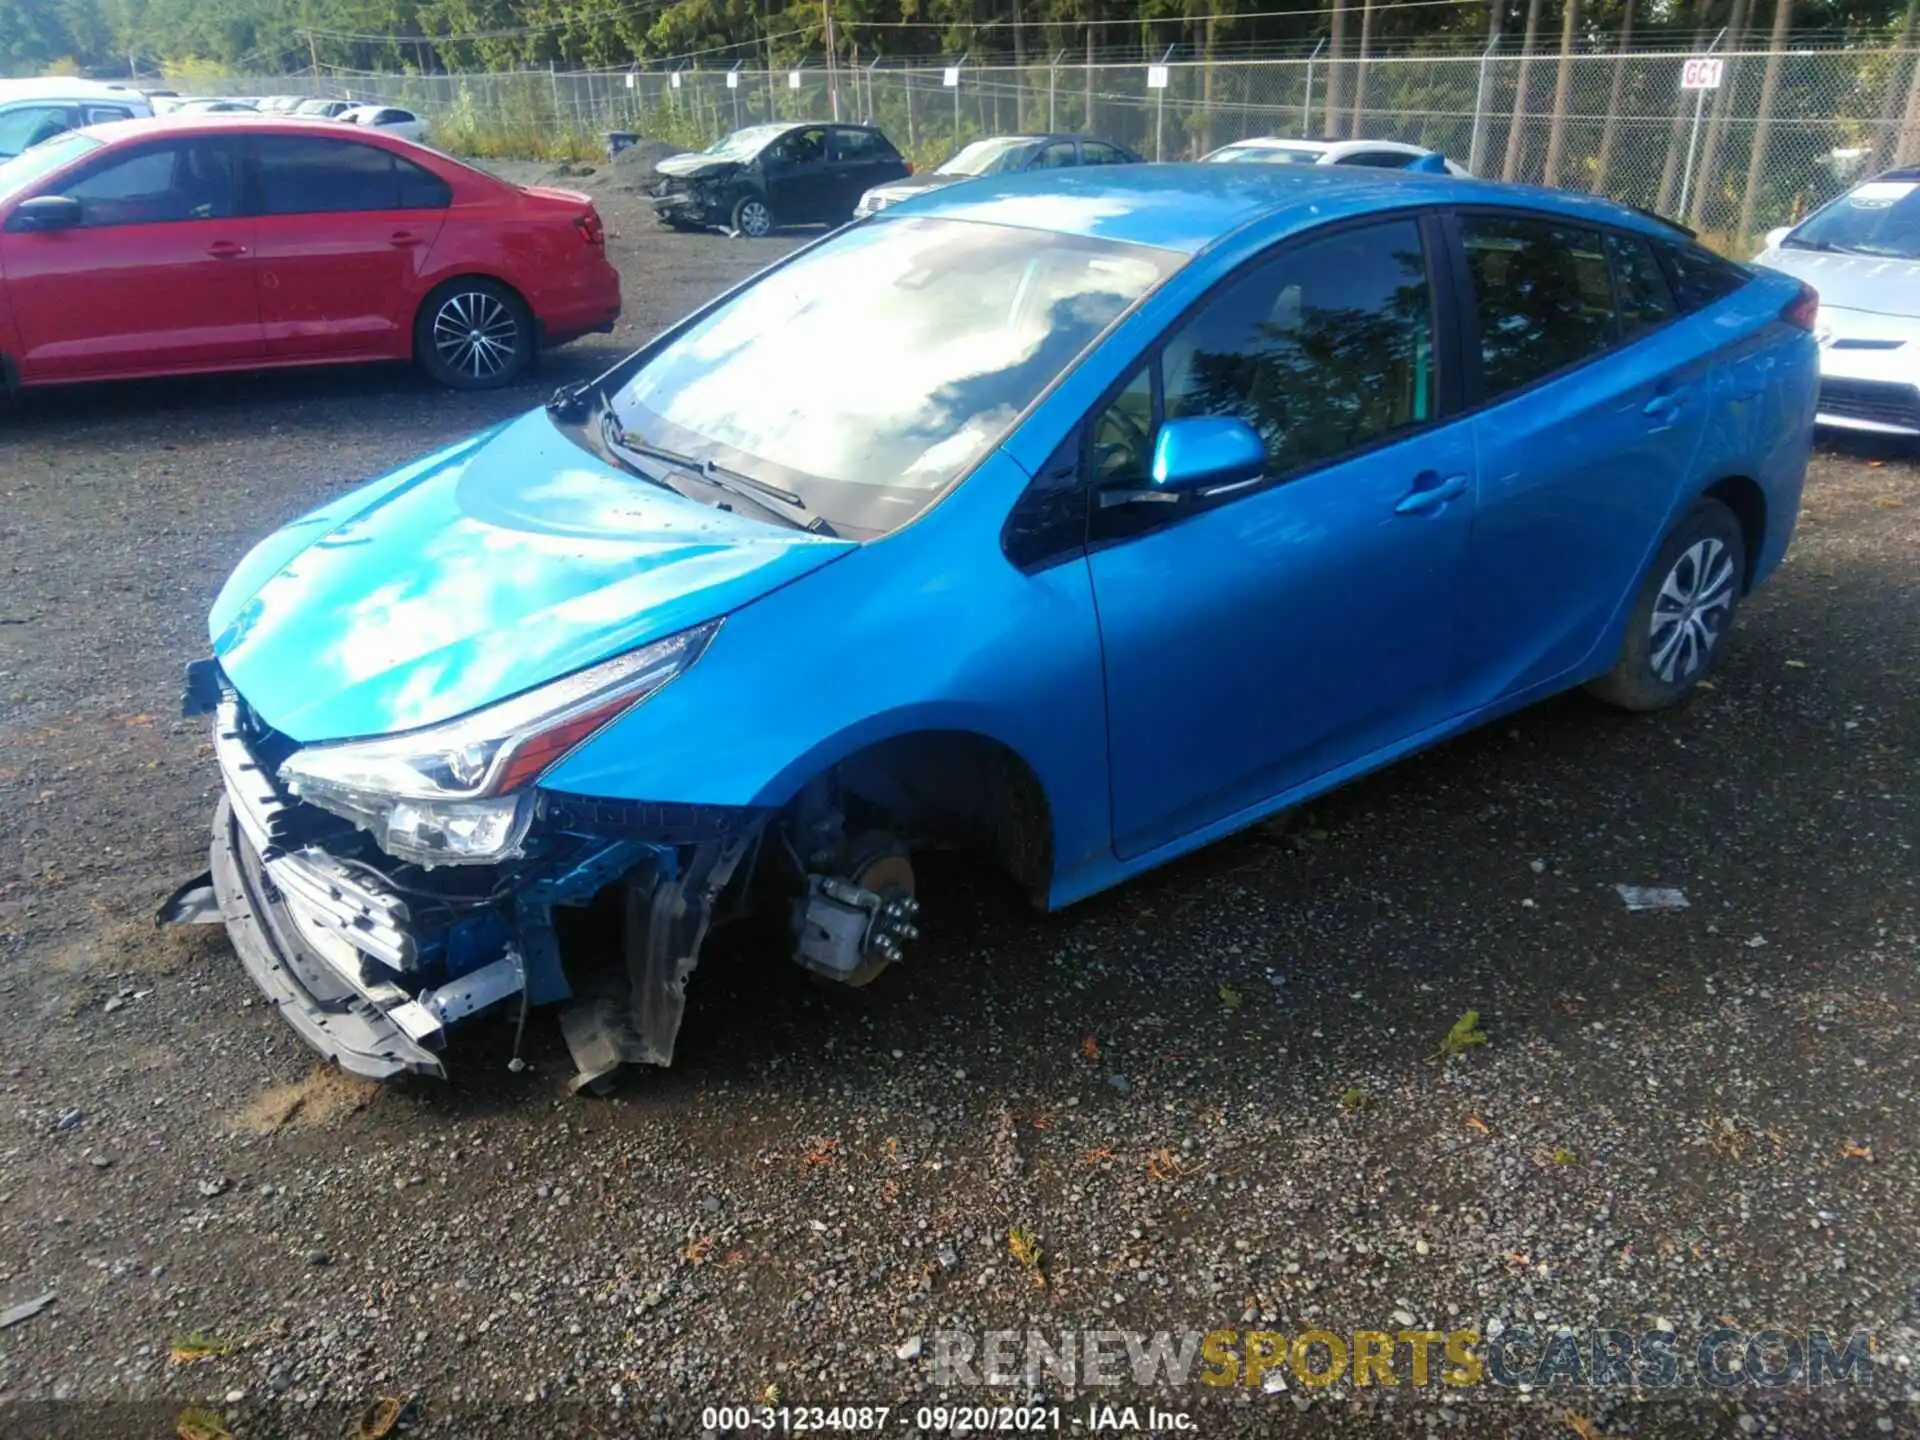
[458, 793]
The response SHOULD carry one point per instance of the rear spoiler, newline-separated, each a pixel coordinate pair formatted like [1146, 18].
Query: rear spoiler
[1659, 219]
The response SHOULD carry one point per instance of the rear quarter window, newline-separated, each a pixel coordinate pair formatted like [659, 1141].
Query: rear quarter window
[1700, 277]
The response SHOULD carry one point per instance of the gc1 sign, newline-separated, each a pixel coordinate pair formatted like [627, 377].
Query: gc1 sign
[1702, 72]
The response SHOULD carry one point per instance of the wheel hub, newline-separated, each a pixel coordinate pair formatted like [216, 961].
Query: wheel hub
[850, 928]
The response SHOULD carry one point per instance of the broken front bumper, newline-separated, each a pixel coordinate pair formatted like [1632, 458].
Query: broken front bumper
[329, 942]
[372, 961]
[291, 941]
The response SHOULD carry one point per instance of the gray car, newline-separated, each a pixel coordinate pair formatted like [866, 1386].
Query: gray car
[1862, 253]
[999, 155]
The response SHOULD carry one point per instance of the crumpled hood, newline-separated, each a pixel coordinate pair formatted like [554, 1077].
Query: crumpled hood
[486, 569]
[695, 166]
[1852, 282]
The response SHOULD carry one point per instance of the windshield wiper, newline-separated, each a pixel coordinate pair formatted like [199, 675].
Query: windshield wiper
[719, 476]
[1791, 243]
[612, 439]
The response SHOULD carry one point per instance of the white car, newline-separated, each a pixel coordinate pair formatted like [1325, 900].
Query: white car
[36, 110]
[1284, 150]
[1862, 253]
[390, 118]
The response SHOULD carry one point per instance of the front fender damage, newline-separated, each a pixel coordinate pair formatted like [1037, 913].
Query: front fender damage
[665, 922]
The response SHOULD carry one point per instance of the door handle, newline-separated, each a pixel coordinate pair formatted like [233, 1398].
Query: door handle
[1665, 405]
[403, 239]
[226, 250]
[1430, 492]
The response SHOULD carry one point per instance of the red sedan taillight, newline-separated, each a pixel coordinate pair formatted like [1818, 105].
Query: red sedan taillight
[590, 228]
[1804, 309]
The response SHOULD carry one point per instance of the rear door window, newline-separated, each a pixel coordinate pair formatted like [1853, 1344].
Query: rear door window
[1098, 152]
[853, 146]
[1640, 286]
[1541, 295]
[312, 175]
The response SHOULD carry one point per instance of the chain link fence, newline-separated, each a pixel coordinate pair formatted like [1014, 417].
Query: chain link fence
[1784, 131]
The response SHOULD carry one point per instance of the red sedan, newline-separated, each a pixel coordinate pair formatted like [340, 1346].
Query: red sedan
[198, 243]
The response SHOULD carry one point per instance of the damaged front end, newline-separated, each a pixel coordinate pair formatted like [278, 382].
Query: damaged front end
[694, 194]
[373, 956]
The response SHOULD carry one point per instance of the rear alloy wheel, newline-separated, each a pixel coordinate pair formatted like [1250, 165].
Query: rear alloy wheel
[1683, 613]
[474, 334]
[753, 217]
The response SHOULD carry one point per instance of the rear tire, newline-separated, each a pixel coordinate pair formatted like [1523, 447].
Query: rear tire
[752, 217]
[474, 334]
[1685, 608]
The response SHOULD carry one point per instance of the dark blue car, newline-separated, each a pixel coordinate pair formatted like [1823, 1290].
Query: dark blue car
[1080, 517]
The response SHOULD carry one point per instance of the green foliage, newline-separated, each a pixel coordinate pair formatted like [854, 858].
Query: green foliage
[394, 36]
[1465, 1034]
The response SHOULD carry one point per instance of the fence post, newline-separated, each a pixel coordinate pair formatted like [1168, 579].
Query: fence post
[1360, 68]
[1693, 136]
[1717, 117]
[1053, 84]
[1715, 126]
[1160, 105]
[956, 98]
[1477, 146]
[1306, 106]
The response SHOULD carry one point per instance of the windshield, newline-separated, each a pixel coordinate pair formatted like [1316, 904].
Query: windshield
[745, 144]
[1268, 154]
[869, 373]
[986, 157]
[314, 107]
[1881, 217]
[22, 170]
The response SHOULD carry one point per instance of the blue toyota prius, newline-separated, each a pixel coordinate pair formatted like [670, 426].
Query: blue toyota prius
[1080, 517]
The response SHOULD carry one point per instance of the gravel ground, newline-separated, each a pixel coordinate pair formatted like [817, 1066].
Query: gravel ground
[1212, 1098]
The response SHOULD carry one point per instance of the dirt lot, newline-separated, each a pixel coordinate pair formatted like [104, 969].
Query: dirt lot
[1211, 1099]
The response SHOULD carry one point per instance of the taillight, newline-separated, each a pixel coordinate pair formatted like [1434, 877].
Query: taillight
[909, 167]
[590, 228]
[1804, 309]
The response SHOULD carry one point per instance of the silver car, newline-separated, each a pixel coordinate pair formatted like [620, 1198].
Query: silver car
[1862, 253]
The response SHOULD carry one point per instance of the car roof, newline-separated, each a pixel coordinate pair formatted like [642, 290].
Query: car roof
[65, 87]
[1187, 207]
[1035, 137]
[249, 122]
[1282, 142]
[1322, 145]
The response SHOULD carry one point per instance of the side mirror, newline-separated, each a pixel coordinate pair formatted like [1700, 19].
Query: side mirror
[1776, 235]
[46, 212]
[1196, 459]
[1207, 455]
